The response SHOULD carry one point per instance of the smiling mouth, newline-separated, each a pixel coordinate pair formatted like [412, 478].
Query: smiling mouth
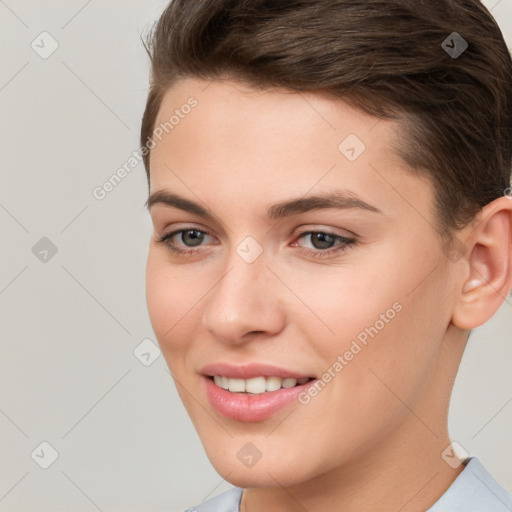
[257, 385]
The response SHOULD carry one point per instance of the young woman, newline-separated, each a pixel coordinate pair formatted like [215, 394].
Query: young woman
[330, 194]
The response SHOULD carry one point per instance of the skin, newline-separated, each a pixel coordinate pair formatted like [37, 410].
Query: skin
[372, 438]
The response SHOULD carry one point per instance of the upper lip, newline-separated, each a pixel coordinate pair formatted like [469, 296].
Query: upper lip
[250, 370]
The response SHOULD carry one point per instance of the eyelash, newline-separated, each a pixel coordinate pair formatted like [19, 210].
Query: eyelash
[345, 244]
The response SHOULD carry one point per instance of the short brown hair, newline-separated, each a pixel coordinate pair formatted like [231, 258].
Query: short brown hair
[387, 57]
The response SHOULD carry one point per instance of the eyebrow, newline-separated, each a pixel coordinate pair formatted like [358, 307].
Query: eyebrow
[336, 199]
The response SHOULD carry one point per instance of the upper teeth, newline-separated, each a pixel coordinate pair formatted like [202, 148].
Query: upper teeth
[257, 385]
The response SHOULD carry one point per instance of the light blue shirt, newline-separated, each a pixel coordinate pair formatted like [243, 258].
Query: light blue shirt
[474, 490]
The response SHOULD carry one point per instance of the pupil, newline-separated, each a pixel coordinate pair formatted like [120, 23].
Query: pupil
[324, 240]
[195, 239]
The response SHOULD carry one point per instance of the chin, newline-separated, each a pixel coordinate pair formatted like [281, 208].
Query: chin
[259, 477]
[273, 471]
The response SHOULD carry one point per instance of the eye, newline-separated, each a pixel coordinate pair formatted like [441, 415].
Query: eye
[190, 237]
[323, 243]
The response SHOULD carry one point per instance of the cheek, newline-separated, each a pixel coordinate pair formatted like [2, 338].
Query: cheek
[340, 304]
[169, 303]
[383, 325]
[157, 297]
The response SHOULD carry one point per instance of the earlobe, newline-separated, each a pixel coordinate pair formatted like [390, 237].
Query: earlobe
[488, 278]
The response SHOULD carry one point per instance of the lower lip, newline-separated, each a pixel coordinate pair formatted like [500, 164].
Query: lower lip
[251, 408]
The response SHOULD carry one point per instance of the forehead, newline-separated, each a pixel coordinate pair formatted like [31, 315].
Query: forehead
[268, 144]
[275, 117]
[277, 107]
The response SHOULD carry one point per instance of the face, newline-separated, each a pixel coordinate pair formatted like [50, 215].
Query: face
[294, 262]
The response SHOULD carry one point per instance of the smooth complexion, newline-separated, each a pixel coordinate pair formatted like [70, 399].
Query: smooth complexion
[372, 438]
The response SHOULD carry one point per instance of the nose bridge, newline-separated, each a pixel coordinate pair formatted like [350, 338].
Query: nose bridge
[245, 299]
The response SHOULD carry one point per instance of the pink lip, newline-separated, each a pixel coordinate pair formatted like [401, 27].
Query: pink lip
[251, 408]
[250, 370]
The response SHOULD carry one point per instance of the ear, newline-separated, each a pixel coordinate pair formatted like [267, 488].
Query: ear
[486, 280]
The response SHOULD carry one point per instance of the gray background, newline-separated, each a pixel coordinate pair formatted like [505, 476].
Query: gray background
[70, 324]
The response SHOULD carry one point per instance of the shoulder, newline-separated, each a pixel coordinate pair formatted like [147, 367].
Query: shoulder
[228, 501]
[474, 490]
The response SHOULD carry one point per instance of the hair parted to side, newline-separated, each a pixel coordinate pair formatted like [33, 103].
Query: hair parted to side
[381, 56]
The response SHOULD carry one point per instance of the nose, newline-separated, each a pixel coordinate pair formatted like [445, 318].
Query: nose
[244, 304]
